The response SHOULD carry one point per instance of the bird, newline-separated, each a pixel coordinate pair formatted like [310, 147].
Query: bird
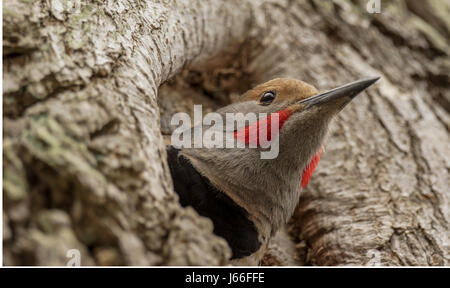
[248, 198]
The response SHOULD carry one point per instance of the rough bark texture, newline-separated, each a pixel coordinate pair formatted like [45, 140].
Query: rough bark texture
[84, 157]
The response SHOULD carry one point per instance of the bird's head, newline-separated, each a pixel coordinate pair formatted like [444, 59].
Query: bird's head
[271, 186]
[303, 112]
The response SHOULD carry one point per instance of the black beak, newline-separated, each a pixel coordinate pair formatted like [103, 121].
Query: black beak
[348, 90]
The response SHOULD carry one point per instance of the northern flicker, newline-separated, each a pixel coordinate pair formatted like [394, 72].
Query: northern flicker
[248, 198]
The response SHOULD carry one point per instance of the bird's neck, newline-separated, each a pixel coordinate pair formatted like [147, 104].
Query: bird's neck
[260, 195]
[309, 169]
[269, 189]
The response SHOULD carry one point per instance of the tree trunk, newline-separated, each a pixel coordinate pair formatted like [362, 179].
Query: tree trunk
[84, 157]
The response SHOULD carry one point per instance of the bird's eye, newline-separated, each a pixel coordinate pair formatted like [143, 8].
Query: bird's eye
[267, 98]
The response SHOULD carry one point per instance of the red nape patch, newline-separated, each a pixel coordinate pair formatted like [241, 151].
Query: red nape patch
[308, 171]
[252, 132]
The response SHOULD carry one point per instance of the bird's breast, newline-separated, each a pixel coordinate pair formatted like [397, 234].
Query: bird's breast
[231, 221]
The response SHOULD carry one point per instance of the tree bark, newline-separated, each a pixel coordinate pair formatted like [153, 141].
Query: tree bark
[84, 157]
